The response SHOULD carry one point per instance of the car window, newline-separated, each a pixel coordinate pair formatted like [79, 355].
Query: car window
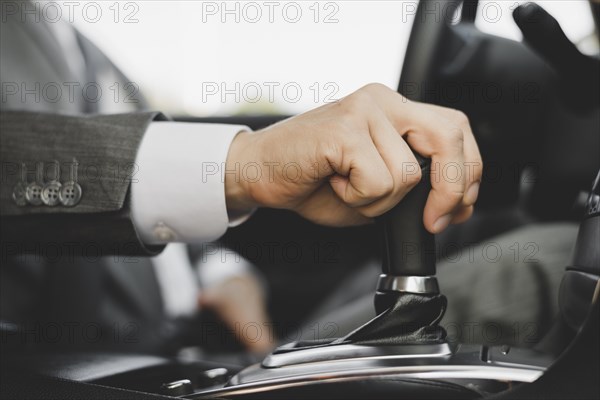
[206, 58]
[223, 58]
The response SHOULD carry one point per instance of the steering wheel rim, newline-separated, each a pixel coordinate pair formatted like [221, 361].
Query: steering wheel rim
[423, 53]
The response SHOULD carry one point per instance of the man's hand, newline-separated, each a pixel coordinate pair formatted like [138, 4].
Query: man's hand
[239, 301]
[347, 162]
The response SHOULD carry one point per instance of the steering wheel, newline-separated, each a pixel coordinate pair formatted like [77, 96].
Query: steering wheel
[426, 46]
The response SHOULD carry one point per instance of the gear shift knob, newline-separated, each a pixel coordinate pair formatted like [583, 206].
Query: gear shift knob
[408, 248]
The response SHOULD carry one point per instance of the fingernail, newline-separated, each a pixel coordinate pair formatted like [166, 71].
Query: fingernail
[472, 193]
[442, 223]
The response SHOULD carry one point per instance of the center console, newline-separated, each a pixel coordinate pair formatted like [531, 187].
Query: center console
[403, 350]
[401, 353]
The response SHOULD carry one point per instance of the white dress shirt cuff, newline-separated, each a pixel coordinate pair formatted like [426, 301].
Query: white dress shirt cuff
[178, 192]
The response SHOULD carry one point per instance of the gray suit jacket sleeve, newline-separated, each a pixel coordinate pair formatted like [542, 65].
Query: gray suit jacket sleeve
[105, 148]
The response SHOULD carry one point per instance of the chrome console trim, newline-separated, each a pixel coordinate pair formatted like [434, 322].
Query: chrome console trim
[465, 363]
[355, 352]
[408, 284]
[440, 372]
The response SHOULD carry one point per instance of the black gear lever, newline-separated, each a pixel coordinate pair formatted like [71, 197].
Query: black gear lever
[407, 301]
[408, 248]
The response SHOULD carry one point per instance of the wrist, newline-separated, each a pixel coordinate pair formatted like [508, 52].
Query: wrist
[238, 195]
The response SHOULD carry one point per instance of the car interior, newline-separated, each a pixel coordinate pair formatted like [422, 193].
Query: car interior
[534, 106]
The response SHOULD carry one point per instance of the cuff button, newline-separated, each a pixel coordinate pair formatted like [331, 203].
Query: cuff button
[33, 194]
[18, 194]
[163, 233]
[70, 194]
[51, 194]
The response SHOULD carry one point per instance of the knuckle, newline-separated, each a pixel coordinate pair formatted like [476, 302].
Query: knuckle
[359, 98]
[454, 197]
[461, 119]
[353, 105]
[382, 188]
[413, 179]
[454, 135]
[387, 187]
[403, 99]
[374, 87]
